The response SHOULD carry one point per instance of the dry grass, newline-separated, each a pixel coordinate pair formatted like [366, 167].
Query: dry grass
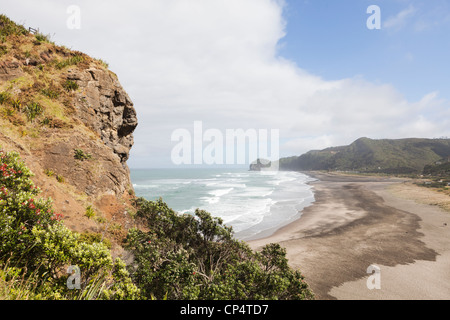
[430, 196]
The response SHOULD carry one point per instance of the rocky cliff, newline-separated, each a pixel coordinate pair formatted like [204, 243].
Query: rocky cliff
[260, 164]
[71, 121]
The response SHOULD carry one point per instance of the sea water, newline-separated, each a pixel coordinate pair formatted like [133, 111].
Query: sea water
[254, 203]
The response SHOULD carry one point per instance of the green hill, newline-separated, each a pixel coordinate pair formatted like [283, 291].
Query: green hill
[367, 155]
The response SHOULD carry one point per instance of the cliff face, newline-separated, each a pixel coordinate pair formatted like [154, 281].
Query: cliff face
[71, 121]
[101, 105]
[105, 107]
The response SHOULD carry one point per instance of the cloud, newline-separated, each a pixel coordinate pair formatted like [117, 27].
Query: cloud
[399, 20]
[217, 61]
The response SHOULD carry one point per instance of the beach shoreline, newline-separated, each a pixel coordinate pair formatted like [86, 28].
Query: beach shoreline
[359, 221]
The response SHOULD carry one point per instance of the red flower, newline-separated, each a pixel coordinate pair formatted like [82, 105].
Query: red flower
[57, 216]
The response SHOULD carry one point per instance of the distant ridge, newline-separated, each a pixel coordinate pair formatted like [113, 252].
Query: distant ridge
[399, 156]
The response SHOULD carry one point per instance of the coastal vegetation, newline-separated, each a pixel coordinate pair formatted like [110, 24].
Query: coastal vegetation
[36, 248]
[176, 256]
[196, 257]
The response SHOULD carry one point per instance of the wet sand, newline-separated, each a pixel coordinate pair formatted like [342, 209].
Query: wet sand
[359, 221]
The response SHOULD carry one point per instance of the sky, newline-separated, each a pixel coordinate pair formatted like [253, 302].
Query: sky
[312, 70]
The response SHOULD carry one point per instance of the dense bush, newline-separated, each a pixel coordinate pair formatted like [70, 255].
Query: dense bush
[36, 244]
[196, 257]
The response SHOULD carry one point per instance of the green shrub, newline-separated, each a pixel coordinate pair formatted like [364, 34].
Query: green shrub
[187, 257]
[20, 210]
[74, 60]
[32, 110]
[4, 97]
[101, 220]
[90, 237]
[46, 121]
[70, 85]
[103, 63]
[37, 247]
[16, 104]
[8, 111]
[81, 155]
[51, 93]
[42, 37]
[3, 50]
[9, 27]
[49, 172]
[90, 212]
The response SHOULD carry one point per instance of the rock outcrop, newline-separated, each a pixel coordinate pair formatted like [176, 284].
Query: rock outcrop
[104, 106]
[78, 137]
[260, 164]
[10, 69]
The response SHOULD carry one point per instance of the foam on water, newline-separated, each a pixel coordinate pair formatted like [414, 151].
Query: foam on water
[255, 204]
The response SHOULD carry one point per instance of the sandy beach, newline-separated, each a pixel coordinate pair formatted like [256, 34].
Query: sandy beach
[357, 222]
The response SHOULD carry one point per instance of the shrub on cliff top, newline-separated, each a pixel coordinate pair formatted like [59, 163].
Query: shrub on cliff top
[74, 60]
[9, 27]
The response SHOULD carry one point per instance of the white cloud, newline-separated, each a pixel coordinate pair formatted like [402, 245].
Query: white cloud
[216, 61]
[399, 20]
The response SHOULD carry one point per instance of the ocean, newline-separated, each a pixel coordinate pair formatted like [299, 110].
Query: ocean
[254, 203]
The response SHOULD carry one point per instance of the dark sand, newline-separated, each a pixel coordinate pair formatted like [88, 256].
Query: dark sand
[359, 221]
